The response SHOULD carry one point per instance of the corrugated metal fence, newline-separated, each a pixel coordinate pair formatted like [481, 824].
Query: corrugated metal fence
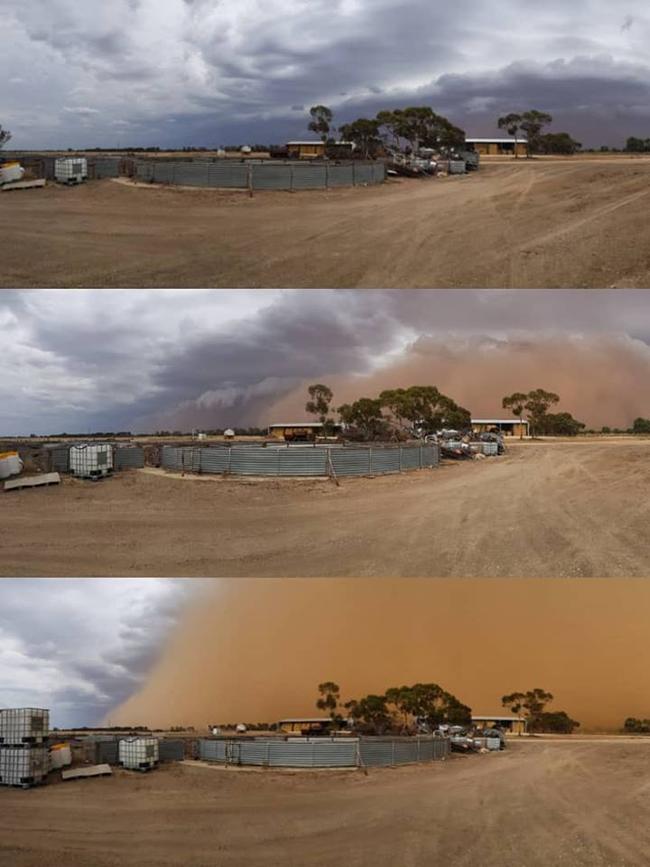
[124, 457]
[128, 457]
[298, 461]
[324, 752]
[260, 176]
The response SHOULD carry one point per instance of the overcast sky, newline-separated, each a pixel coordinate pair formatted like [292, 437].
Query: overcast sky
[144, 360]
[213, 72]
[81, 646]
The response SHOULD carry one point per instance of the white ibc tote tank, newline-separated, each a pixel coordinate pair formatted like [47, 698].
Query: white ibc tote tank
[90, 460]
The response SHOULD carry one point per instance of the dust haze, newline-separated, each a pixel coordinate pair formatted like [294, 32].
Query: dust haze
[255, 649]
[600, 379]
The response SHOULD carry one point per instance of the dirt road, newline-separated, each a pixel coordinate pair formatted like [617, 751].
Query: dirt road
[560, 223]
[539, 804]
[543, 510]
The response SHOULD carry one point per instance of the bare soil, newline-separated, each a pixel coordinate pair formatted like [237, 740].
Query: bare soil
[545, 509]
[539, 804]
[545, 223]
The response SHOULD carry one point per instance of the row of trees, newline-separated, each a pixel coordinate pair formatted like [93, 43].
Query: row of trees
[403, 709]
[636, 145]
[424, 409]
[399, 709]
[417, 126]
[395, 412]
[536, 404]
[531, 705]
[532, 124]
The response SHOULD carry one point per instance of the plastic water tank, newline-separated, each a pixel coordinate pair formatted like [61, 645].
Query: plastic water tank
[71, 170]
[10, 172]
[10, 464]
[91, 460]
[60, 756]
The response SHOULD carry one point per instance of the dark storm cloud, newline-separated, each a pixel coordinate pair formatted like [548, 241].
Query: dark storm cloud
[154, 359]
[239, 72]
[80, 646]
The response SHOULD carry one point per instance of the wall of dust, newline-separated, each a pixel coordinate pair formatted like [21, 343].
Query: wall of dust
[600, 379]
[255, 649]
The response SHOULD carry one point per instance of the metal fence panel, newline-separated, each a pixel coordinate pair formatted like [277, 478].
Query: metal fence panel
[383, 752]
[273, 177]
[104, 167]
[233, 176]
[384, 460]
[351, 462]
[309, 177]
[410, 458]
[303, 462]
[340, 176]
[171, 458]
[295, 461]
[171, 751]
[128, 457]
[60, 459]
[215, 460]
[255, 462]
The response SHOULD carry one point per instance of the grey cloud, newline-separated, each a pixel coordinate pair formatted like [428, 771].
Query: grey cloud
[155, 359]
[83, 645]
[233, 74]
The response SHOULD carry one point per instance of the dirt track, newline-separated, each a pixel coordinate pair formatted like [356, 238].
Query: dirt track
[539, 804]
[543, 510]
[559, 223]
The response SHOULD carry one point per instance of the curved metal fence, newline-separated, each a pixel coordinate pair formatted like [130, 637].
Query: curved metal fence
[300, 461]
[259, 175]
[324, 752]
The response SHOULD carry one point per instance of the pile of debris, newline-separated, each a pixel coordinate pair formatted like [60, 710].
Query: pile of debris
[459, 445]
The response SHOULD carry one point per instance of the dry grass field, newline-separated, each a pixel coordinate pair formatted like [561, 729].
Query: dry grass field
[541, 803]
[545, 509]
[578, 222]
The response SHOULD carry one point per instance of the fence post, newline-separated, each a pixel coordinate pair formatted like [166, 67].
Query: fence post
[290, 179]
[392, 743]
[370, 460]
[400, 458]
[250, 179]
[327, 177]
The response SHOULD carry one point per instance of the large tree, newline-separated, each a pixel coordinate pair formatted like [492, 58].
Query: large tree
[420, 126]
[532, 123]
[364, 416]
[512, 124]
[319, 403]
[329, 698]
[423, 406]
[371, 713]
[515, 403]
[531, 704]
[364, 133]
[428, 703]
[5, 136]
[321, 121]
[538, 402]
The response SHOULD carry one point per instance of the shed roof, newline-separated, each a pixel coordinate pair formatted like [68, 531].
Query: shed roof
[299, 424]
[498, 718]
[499, 421]
[497, 140]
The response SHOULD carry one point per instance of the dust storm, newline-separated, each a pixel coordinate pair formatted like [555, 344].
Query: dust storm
[254, 649]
